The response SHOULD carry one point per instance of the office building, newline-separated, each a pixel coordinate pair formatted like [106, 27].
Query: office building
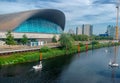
[87, 29]
[111, 31]
[79, 30]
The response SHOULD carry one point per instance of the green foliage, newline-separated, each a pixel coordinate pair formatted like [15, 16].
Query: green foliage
[86, 38]
[66, 41]
[54, 40]
[81, 44]
[94, 42]
[80, 37]
[24, 39]
[19, 58]
[47, 53]
[9, 39]
[102, 38]
[116, 43]
[45, 49]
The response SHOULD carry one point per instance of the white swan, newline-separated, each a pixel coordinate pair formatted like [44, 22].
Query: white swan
[106, 50]
[112, 64]
[37, 67]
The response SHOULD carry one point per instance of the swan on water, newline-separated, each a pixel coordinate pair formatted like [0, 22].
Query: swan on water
[37, 67]
[106, 51]
[112, 64]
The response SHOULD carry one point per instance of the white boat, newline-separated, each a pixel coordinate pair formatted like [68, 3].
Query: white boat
[37, 67]
[113, 64]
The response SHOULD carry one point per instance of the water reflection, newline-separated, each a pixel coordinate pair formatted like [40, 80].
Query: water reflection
[113, 74]
[114, 60]
[116, 53]
[23, 73]
[90, 67]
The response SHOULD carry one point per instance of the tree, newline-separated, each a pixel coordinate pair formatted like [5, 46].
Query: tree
[66, 41]
[24, 39]
[9, 39]
[80, 37]
[94, 42]
[54, 40]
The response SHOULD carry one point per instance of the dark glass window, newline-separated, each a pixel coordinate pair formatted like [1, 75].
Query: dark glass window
[39, 26]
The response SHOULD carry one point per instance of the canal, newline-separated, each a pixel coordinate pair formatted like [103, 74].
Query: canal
[86, 67]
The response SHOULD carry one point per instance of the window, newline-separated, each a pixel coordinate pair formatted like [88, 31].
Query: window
[37, 25]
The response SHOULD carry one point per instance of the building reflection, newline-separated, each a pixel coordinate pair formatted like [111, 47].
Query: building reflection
[115, 54]
[114, 60]
[113, 74]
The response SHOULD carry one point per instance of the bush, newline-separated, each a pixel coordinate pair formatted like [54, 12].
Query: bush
[54, 40]
[94, 42]
[81, 44]
[66, 41]
[44, 49]
[10, 39]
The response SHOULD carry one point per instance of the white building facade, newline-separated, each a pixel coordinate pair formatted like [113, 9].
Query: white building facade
[79, 30]
[87, 29]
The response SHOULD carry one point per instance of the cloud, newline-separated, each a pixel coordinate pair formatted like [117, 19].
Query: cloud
[11, 7]
[77, 12]
[105, 2]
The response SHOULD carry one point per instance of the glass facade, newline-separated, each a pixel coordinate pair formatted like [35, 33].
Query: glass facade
[38, 25]
[111, 31]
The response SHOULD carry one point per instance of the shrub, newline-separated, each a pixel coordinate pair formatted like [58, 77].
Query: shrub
[24, 39]
[81, 44]
[44, 49]
[54, 40]
[66, 41]
[9, 39]
[94, 42]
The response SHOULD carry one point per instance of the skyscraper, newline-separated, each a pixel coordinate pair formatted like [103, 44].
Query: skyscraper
[111, 31]
[71, 31]
[87, 29]
[79, 30]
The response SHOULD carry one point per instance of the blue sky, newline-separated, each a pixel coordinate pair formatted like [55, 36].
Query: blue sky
[99, 13]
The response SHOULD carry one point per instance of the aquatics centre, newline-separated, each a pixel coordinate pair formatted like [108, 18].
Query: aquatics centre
[38, 25]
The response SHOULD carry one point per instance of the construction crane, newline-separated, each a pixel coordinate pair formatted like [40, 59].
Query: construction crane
[117, 26]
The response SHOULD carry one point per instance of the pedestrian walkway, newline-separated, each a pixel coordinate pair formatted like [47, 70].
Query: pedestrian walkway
[10, 50]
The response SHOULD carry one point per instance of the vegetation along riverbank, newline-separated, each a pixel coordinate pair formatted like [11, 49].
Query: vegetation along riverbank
[47, 53]
[67, 47]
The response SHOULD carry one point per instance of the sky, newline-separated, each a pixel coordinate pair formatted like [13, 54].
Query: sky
[99, 13]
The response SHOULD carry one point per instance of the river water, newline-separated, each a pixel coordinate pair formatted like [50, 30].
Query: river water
[86, 67]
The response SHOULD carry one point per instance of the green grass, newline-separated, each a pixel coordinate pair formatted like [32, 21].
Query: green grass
[16, 58]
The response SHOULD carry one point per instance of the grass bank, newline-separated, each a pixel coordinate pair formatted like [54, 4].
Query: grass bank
[46, 53]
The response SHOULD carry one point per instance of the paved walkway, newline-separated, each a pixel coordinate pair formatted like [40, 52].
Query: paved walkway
[14, 49]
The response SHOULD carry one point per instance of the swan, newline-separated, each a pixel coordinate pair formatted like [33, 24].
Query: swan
[106, 51]
[37, 67]
[112, 64]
